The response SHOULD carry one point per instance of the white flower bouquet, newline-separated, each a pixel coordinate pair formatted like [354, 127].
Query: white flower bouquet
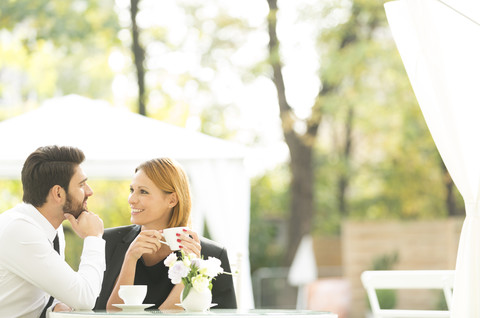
[193, 272]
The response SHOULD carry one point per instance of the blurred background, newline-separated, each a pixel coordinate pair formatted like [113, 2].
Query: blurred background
[339, 152]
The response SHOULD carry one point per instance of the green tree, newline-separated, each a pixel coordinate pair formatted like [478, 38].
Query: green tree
[138, 57]
[56, 47]
[374, 140]
[109, 201]
[185, 60]
[343, 65]
[268, 201]
[363, 152]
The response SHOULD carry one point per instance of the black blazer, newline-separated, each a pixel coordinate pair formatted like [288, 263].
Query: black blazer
[118, 240]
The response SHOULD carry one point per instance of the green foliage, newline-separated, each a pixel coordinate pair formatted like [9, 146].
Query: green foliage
[57, 47]
[73, 246]
[214, 121]
[269, 206]
[387, 298]
[10, 194]
[327, 219]
[61, 22]
[394, 170]
[385, 262]
[441, 303]
[201, 45]
[109, 201]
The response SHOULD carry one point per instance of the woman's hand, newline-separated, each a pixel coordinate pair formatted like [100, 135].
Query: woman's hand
[190, 243]
[147, 242]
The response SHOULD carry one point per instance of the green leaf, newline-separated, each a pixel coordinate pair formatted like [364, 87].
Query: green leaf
[186, 290]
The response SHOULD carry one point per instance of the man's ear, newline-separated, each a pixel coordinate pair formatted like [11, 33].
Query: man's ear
[57, 194]
[173, 200]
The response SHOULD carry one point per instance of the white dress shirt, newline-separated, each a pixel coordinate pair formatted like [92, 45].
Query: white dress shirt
[31, 270]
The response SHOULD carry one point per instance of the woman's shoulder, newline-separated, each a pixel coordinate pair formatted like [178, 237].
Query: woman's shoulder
[211, 248]
[120, 231]
[208, 242]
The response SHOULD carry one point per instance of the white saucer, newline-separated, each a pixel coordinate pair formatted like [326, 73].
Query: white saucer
[139, 307]
[211, 305]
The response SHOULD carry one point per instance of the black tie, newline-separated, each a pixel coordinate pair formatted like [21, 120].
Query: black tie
[56, 247]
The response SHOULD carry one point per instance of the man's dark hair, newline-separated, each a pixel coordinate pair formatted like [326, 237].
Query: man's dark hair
[46, 167]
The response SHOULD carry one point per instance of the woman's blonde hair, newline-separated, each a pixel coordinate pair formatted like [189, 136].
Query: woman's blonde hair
[170, 177]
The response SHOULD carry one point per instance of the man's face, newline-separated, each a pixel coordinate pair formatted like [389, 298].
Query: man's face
[78, 193]
[73, 206]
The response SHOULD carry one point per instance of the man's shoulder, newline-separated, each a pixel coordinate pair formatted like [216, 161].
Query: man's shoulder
[16, 212]
[14, 221]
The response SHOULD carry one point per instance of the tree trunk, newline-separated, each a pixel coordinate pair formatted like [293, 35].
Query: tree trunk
[302, 201]
[344, 178]
[300, 146]
[139, 57]
[451, 203]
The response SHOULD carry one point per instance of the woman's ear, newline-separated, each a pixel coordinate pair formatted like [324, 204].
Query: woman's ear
[173, 200]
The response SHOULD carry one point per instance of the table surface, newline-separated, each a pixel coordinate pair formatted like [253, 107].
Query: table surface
[219, 313]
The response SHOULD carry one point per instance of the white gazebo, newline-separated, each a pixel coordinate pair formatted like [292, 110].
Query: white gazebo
[115, 141]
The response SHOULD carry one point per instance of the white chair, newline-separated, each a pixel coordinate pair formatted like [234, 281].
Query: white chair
[408, 279]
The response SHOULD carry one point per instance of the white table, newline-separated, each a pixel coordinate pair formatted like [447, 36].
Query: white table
[218, 313]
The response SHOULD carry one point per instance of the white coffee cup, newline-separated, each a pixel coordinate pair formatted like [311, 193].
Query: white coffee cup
[170, 235]
[132, 294]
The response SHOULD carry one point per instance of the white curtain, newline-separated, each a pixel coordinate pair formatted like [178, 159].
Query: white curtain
[226, 213]
[439, 42]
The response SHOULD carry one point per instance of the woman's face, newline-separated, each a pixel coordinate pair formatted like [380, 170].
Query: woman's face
[150, 206]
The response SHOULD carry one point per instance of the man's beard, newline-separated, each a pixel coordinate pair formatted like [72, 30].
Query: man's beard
[73, 207]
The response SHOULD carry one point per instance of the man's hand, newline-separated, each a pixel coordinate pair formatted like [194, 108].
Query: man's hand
[61, 307]
[87, 224]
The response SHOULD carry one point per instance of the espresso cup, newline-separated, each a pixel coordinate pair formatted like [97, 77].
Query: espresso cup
[132, 294]
[170, 235]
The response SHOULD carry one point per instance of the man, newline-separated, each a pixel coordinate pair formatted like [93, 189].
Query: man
[32, 272]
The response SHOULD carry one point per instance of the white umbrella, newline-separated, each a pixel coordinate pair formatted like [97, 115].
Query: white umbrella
[303, 270]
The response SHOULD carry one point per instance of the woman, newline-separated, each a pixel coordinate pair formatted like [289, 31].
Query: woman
[159, 198]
